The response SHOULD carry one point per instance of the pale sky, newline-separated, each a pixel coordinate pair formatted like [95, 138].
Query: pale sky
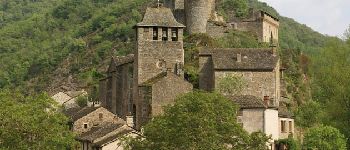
[331, 17]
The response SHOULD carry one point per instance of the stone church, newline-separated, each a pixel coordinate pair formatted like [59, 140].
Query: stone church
[137, 86]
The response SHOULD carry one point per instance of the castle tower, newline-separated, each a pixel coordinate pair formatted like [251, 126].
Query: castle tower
[198, 13]
[159, 50]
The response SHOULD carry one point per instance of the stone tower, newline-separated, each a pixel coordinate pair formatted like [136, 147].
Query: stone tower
[159, 50]
[198, 13]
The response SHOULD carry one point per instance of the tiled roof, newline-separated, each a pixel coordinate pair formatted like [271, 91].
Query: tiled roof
[159, 16]
[81, 113]
[122, 131]
[248, 101]
[99, 131]
[284, 112]
[251, 58]
[154, 79]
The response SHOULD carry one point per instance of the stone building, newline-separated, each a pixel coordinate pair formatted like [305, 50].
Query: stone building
[258, 68]
[83, 119]
[140, 84]
[260, 23]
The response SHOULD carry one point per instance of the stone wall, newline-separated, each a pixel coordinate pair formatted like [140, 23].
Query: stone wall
[198, 13]
[93, 119]
[258, 83]
[253, 120]
[151, 52]
[116, 90]
[206, 73]
[271, 123]
[216, 31]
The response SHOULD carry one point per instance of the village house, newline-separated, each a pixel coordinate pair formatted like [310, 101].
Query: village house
[68, 99]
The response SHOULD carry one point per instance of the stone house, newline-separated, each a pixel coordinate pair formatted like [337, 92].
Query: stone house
[83, 119]
[105, 137]
[139, 85]
[260, 23]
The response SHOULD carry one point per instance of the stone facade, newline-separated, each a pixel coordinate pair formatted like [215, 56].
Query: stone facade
[160, 92]
[286, 127]
[96, 117]
[260, 23]
[116, 88]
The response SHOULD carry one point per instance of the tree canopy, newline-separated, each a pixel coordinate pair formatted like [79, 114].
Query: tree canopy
[325, 138]
[198, 121]
[32, 122]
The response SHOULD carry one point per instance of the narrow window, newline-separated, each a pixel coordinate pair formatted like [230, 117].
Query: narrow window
[164, 34]
[100, 116]
[85, 125]
[155, 33]
[290, 127]
[283, 126]
[174, 34]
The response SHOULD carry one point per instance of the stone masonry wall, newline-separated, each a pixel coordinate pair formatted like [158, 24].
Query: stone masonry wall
[206, 73]
[253, 120]
[166, 91]
[259, 84]
[94, 119]
[198, 13]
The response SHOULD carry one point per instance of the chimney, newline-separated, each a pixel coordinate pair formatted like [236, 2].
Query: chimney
[239, 57]
[267, 100]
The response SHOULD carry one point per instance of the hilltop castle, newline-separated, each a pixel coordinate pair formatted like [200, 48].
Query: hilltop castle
[137, 86]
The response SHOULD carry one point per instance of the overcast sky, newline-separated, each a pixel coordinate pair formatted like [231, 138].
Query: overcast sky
[331, 17]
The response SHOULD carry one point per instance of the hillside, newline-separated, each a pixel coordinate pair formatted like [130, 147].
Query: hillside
[47, 45]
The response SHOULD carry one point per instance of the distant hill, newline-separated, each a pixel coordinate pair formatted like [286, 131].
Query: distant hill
[46, 44]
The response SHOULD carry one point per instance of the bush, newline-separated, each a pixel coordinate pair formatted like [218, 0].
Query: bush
[324, 138]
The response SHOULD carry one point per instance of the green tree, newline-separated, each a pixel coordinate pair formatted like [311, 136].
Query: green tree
[308, 114]
[325, 138]
[32, 122]
[197, 121]
[231, 85]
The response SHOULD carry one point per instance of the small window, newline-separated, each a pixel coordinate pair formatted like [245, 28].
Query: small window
[174, 34]
[164, 34]
[283, 126]
[155, 33]
[85, 125]
[100, 116]
[290, 127]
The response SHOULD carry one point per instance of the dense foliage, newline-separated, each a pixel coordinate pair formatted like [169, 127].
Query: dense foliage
[325, 138]
[198, 121]
[32, 122]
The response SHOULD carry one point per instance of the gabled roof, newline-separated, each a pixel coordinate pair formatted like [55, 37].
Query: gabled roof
[248, 101]
[77, 113]
[283, 112]
[154, 79]
[161, 17]
[122, 131]
[251, 58]
[99, 131]
[119, 61]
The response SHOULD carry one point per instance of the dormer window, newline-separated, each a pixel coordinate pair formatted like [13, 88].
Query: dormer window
[174, 34]
[155, 33]
[164, 34]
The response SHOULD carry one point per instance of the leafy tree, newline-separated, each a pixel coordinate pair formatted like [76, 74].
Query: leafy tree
[325, 138]
[197, 121]
[239, 7]
[231, 85]
[308, 114]
[31, 122]
[82, 101]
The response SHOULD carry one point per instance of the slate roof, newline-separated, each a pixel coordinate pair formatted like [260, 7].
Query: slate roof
[123, 130]
[99, 131]
[251, 58]
[248, 101]
[159, 16]
[154, 79]
[284, 112]
[77, 113]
